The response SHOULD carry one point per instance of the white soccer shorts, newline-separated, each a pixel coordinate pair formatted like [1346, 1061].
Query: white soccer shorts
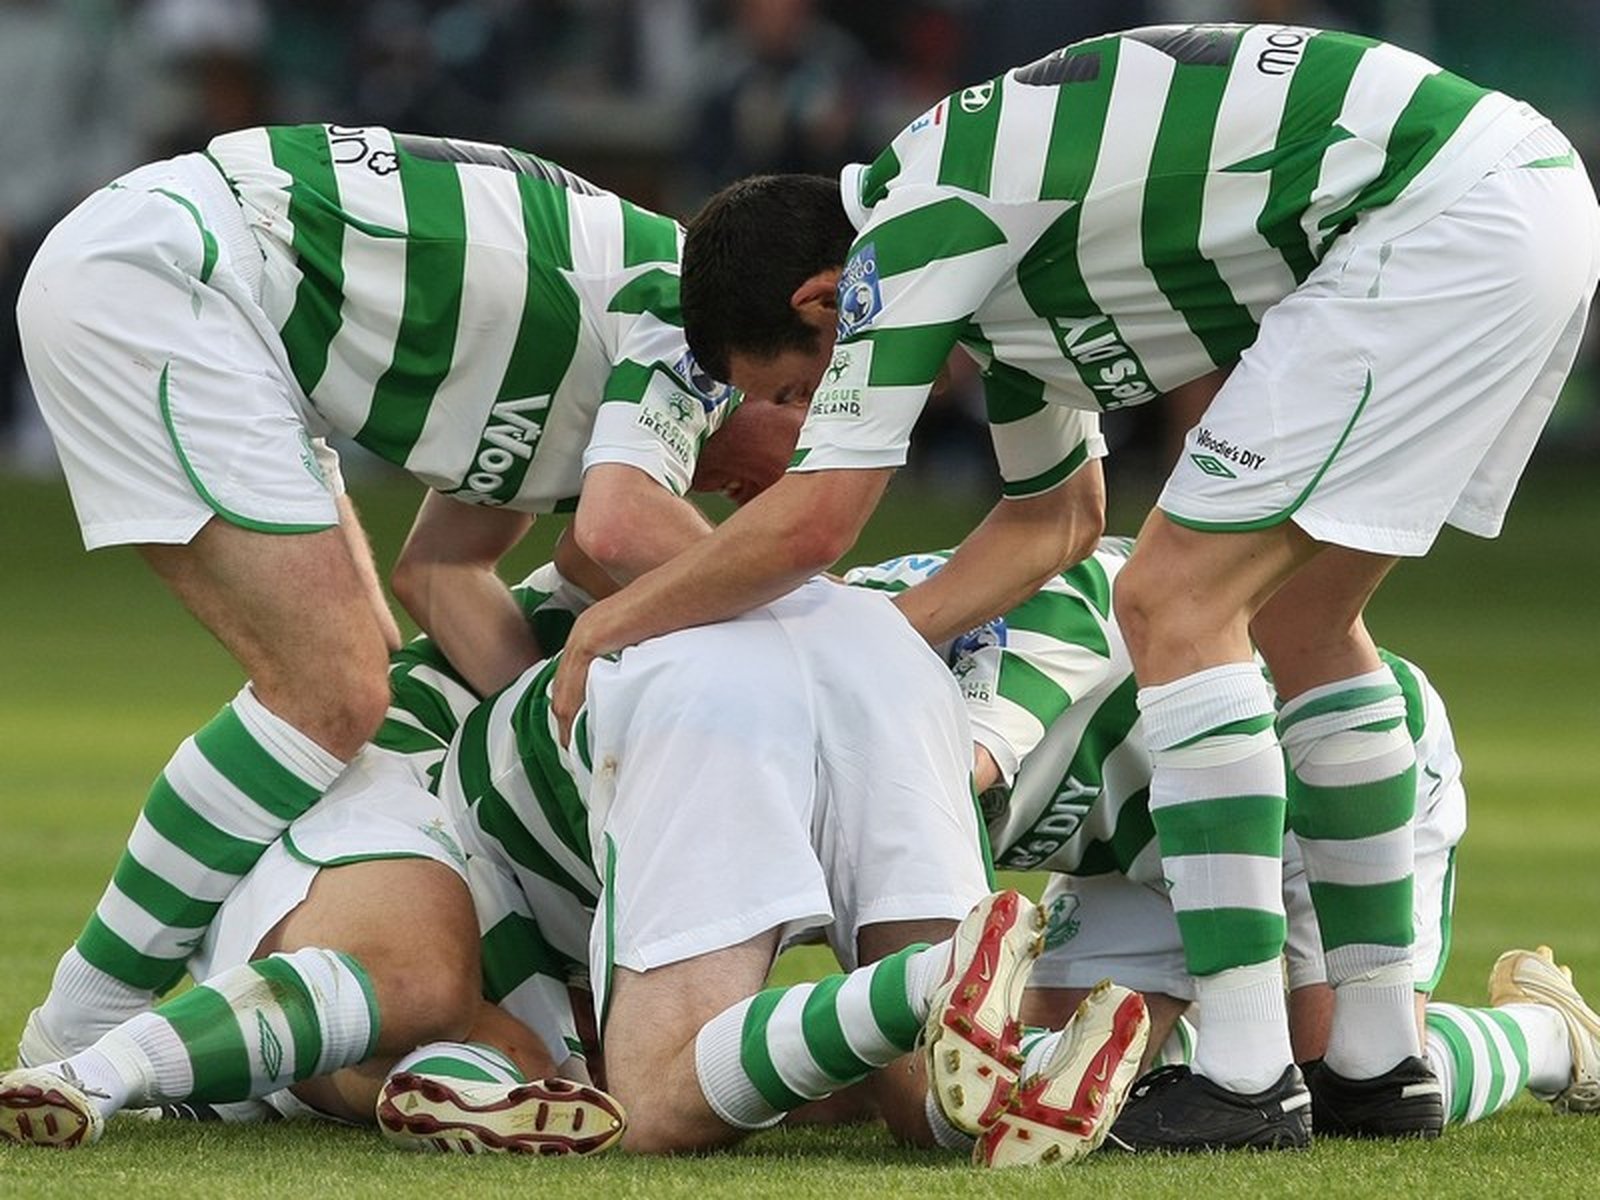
[164, 384]
[378, 808]
[1403, 385]
[806, 764]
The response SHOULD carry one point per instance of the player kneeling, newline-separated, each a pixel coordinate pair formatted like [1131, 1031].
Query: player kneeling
[312, 989]
[732, 785]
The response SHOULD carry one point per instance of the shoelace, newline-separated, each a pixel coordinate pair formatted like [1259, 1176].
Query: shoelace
[65, 1071]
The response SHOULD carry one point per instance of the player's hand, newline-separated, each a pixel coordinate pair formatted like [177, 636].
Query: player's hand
[569, 688]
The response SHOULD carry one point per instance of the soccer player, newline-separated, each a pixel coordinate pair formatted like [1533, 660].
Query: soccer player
[1065, 774]
[324, 892]
[852, 813]
[497, 326]
[1065, 770]
[735, 784]
[312, 985]
[1396, 265]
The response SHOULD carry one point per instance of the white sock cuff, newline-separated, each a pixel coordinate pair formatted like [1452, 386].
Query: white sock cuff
[1381, 677]
[719, 1068]
[1248, 993]
[293, 748]
[472, 1055]
[1187, 708]
[1301, 719]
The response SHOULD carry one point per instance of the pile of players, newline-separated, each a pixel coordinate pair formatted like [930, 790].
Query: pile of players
[495, 897]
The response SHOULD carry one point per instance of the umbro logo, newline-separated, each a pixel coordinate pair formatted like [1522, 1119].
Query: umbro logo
[1212, 465]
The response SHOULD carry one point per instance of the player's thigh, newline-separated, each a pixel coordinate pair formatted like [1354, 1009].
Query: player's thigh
[295, 611]
[1185, 599]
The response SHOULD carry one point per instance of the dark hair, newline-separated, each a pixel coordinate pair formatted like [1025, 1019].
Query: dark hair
[746, 252]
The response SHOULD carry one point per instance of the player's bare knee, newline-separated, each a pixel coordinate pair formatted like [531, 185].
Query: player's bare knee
[354, 711]
[1144, 610]
[420, 1002]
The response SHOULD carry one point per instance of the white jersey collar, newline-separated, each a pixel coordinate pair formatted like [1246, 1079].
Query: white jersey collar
[850, 192]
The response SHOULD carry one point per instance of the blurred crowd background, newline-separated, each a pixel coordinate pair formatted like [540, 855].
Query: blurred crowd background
[662, 100]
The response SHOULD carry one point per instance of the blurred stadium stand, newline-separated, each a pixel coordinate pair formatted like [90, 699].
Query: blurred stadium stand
[662, 100]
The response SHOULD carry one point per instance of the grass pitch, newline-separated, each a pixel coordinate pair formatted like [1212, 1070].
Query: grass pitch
[103, 674]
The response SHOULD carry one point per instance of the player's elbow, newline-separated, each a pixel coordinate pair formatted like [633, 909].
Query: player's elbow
[621, 547]
[1070, 535]
[815, 546]
[1084, 525]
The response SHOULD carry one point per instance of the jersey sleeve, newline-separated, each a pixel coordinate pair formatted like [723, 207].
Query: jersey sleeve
[917, 273]
[1038, 443]
[658, 406]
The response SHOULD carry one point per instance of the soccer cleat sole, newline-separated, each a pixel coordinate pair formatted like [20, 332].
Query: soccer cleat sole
[41, 1109]
[973, 1035]
[1065, 1112]
[553, 1118]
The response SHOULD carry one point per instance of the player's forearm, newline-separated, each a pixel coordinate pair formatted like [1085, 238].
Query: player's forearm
[1019, 546]
[715, 579]
[476, 623]
[446, 577]
[770, 546]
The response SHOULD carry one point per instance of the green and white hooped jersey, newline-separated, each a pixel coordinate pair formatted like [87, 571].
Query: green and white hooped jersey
[1114, 219]
[511, 789]
[485, 319]
[535, 901]
[1051, 695]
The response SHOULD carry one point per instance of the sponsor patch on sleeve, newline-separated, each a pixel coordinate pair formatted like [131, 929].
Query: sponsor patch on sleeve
[860, 299]
[978, 673]
[843, 385]
[675, 415]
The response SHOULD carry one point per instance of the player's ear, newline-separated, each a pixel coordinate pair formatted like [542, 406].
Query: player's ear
[816, 301]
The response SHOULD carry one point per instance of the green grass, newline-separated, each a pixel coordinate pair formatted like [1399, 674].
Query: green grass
[103, 674]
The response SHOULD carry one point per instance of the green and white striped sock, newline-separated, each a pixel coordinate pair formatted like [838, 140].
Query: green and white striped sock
[1217, 803]
[1485, 1056]
[1352, 792]
[249, 1031]
[786, 1046]
[226, 795]
[469, 1062]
